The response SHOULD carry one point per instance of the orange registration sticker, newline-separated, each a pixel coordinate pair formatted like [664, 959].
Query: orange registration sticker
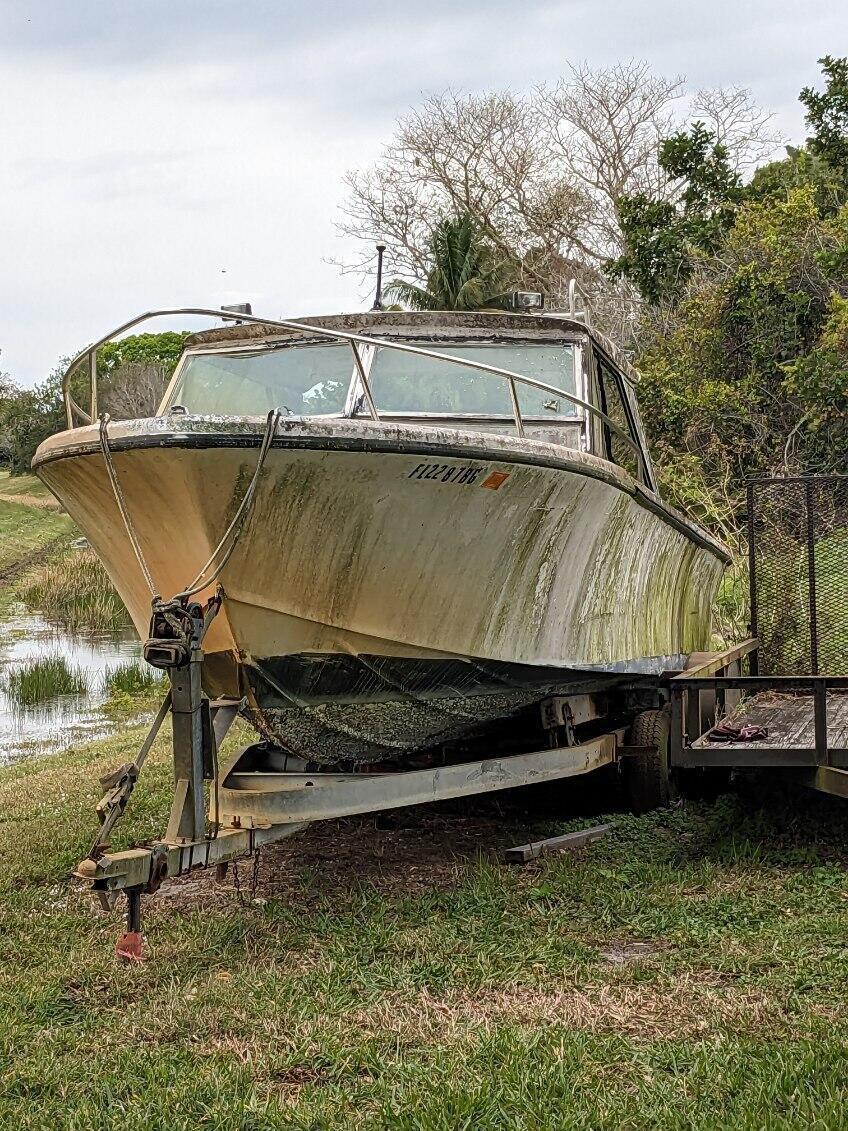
[495, 480]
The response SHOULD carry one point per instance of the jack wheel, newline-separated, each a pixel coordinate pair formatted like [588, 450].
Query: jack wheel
[646, 777]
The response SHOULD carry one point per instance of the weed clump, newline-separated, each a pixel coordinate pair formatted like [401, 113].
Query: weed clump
[45, 679]
[132, 678]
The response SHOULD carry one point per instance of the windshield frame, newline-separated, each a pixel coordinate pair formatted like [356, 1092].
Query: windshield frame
[444, 343]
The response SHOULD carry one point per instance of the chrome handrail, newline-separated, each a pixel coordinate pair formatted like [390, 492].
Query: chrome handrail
[72, 408]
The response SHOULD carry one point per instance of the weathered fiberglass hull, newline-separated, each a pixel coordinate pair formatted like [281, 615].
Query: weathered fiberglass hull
[394, 585]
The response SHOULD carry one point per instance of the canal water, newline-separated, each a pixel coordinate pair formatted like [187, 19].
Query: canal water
[68, 719]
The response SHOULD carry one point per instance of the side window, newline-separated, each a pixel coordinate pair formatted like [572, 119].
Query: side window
[614, 405]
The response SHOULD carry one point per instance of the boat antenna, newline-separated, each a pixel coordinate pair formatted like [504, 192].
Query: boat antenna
[378, 298]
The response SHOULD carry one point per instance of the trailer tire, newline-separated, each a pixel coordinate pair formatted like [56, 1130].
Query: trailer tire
[646, 777]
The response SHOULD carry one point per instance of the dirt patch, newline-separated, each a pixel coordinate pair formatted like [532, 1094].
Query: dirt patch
[399, 853]
[49, 504]
[688, 1005]
[624, 953]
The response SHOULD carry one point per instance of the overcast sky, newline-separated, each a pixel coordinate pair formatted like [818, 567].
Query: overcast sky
[174, 152]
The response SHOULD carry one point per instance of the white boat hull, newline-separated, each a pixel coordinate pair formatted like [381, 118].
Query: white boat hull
[395, 584]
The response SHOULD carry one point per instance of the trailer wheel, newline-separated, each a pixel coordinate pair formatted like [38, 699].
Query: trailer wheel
[646, 777]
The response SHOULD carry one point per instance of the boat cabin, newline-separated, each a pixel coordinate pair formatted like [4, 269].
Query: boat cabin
[546, 378]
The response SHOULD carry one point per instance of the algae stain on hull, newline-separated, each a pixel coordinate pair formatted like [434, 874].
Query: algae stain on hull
[344, 552]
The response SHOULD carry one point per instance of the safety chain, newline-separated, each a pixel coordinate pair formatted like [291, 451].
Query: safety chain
[246, 899]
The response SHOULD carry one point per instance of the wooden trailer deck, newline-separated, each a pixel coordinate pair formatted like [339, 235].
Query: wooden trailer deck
[790, 723]
[805, 719]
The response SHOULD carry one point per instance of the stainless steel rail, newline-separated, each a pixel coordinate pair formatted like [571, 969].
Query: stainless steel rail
[75, 414]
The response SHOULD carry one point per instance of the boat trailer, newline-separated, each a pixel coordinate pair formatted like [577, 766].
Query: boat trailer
[247, 809]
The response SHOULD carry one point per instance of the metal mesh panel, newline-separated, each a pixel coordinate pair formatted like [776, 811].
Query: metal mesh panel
[798, 555]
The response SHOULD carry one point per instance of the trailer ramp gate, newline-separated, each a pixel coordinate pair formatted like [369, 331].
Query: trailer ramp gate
[798, 562]
[796, 684]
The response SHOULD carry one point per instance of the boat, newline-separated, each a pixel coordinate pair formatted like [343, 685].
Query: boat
[426, 523]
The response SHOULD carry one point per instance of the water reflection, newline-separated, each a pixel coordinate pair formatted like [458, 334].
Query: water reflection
[68, 719]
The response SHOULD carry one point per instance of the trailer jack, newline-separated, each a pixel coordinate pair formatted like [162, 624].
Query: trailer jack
[128, 946]
[199, 726]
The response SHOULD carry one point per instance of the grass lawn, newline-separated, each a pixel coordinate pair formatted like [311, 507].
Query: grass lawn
[39, 567]
[27, 532]
[686, 971]
[23, 485]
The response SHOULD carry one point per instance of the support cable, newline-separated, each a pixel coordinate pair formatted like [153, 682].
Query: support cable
[234, 530]
[121, 783]
[231, 534]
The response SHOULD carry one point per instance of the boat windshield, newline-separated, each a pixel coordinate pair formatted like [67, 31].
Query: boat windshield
[312, 379]
[308, 380]
[405, 382]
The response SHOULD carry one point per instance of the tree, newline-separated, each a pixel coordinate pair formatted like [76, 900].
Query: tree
[28, 416]
[132, 374]
[738, 124]
[748, 374]
[823, 161]
[819, 382]
[601, 129]
[799, 168]
[481, 155]
[746, 371]
[465, 272]
[661, 236]
[827, 115]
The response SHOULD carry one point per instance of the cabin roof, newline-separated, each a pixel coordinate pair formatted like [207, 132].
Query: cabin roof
[422, 324]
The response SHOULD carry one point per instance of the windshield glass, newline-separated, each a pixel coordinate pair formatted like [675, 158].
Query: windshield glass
[307, 380]
[406, 382]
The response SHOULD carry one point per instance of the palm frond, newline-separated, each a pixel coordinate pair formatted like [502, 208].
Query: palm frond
[418, 298]
[465, 273]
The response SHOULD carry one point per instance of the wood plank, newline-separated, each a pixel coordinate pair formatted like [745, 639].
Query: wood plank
[708, 663]
[569, 841]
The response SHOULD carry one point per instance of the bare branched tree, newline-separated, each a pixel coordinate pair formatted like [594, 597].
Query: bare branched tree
[745, 130]
[134, 389]
[481, 155]
[540, 174]
[602, 128]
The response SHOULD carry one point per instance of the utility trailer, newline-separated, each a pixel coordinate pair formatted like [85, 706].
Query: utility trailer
[795, 686]
[653, 729]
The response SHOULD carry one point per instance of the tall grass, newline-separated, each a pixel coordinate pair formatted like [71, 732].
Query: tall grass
[132, 678]
[76, 592]
[45, 679]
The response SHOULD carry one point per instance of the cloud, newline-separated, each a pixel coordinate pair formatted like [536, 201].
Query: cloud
[161, 153]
